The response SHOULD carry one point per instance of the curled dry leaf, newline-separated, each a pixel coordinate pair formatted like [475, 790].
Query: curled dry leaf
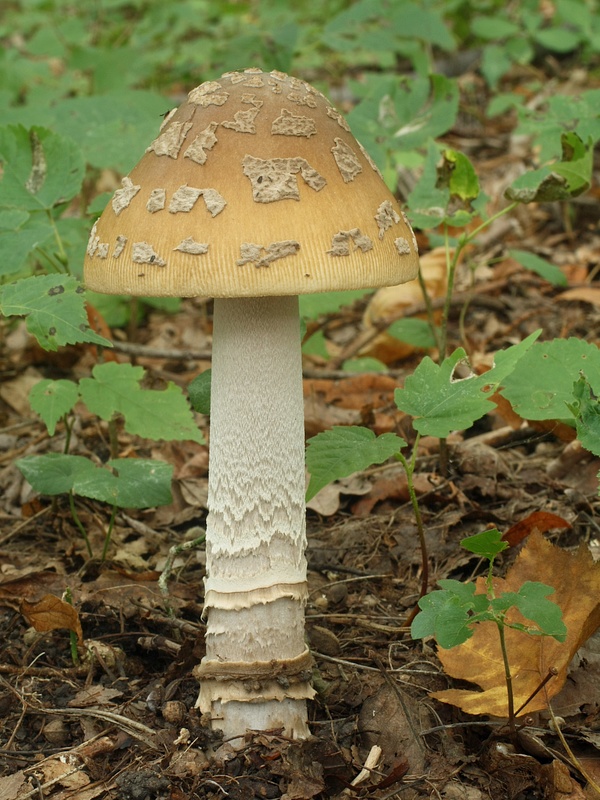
[576, 580]
[52, 613]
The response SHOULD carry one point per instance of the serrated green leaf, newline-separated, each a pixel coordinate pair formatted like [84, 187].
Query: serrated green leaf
[586, 410]
[115, 389]
[40, 169]
[486, 544]
[52, 400]
[54, 307]
[532, 602]
[440, 403]
[541, 385]
[199, 392]
[563, 180]
[17, 244]
[546, 270]
[341, 451]
[445, 615]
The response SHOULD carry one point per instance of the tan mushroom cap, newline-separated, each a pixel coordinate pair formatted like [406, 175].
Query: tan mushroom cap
[253, 187]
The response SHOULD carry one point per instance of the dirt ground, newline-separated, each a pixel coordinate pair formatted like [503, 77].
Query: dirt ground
[119, 721]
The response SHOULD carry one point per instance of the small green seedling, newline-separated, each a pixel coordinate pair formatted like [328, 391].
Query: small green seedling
[449, 614]
[439, 403]
[113, 390]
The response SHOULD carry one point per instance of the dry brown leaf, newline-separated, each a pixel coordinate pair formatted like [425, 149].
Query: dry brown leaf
[52, 613]
[388, 304]
[541, 521]
[587, 294]
[576, 580]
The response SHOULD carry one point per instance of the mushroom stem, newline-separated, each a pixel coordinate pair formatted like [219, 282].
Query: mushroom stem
[256, 671]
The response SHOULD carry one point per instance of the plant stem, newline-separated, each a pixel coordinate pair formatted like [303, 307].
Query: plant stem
[113, 438]
[77, 522]
[508, 678]
[111, 523]
[409, 469]
[68, 597]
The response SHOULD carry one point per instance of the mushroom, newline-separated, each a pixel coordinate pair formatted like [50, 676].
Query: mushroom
[253, 192]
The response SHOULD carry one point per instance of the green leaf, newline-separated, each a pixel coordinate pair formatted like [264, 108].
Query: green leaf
[459, 175]
[541, 385]
[441, 403]
[133, 483]
[52, 400]
[341, 451]
[54, 306]
[550, 272]
[55, 473]
[115, 389]
[126, 483]
[199, 392]
[364, 364]
[586, 410]
[445, 615]
[15, 245]
[40, 169]
[413, 331]
[313, 306]
[559, 40]
[532, 602]
[562, 180]
[493, 28]
[486, 544]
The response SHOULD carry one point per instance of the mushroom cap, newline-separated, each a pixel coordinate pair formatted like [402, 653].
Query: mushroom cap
[254, 186]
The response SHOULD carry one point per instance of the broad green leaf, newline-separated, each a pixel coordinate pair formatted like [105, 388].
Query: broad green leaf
[129, 483]
[541, 385]
[126, 483]
[110, 127]
[365, 364]
[55, 473]
[40, 169]
[54, 307]
[493, 28]
[341, 451]
[441, 403]
[115, 389]
[52, 400]
[313, 306]
[550, 272]
[413, 331]
[532, 602]
[486, 544]
[559, 40]
[199, 392]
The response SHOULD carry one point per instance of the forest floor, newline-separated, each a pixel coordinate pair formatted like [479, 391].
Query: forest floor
[122, 723]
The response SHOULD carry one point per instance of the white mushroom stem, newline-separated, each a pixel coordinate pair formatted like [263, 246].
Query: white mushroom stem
[256, 671]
